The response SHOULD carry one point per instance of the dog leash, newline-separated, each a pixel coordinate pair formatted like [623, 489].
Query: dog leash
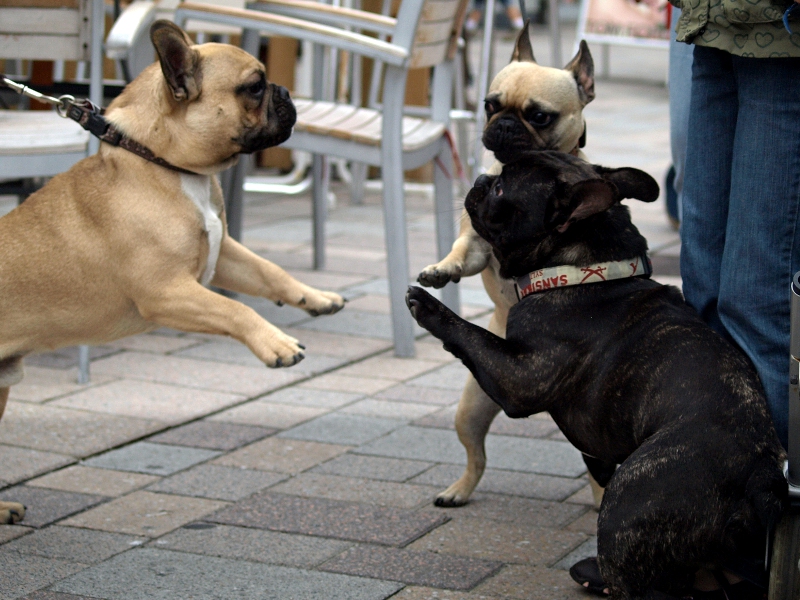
[90, 116]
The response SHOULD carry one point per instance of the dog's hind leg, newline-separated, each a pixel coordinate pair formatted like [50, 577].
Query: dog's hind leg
[10, 512]
[474, 416]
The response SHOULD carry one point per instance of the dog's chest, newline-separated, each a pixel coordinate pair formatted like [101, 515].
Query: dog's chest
[198, 189]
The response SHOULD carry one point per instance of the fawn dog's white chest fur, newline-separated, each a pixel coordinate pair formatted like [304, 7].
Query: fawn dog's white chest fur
[198, 189]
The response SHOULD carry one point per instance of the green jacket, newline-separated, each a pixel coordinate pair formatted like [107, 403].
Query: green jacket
[743, 27]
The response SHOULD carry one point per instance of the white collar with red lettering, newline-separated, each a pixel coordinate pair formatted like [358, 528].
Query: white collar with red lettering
[556, 277]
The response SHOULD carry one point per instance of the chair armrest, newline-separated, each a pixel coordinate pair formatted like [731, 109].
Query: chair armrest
[133, 23]
[326, 13]
[295, 28]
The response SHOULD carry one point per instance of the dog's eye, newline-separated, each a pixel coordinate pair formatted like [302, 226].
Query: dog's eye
[490, 106]
[540, 119]
[258, 88]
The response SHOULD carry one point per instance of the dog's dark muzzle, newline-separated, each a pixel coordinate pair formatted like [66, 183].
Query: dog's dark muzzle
[506, 136]
[280, 117]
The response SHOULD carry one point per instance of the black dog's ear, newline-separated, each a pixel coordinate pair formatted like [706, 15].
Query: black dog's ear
[631, 183]
[523, 51]
[179, 62]
[582, 69]
[587, 198]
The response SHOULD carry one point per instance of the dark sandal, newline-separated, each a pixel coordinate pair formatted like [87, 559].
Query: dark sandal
[586, 573]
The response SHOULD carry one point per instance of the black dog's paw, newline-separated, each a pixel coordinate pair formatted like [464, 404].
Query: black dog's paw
[426, 310]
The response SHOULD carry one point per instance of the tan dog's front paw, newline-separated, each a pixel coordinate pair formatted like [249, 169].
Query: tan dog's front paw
[11, 512]
[440, 274]
[281, 351]
[456, 495]
[318, 303]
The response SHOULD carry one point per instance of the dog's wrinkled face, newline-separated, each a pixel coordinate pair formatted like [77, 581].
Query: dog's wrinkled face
[220, 101]
[530, 107]
[529, 208]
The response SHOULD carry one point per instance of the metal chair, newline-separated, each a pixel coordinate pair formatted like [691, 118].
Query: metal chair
[42, 143]
[784, 580]
[424, 34]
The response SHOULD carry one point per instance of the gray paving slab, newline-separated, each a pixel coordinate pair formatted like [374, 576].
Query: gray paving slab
[77, 433]
[529, 485]
[44, 506]
[537, 426]
[152, 459]
[212, 435]
[45, 595]
[369, 491]
[375, 467]
[74, 545]
[297, 396]
[449, 377]
[233, 353]
[153, 574]
[30, 573]
[338, 428]
[20, 464]
[505, 452]
[353, 322]
[419, 568]
[329, 518]
[66, 358]
[424, 395]
[277, 315]
[217, 482]
[144, 400]
[12, 532]
[585, 550]
[515, 510]
[192, 373]
[258, 545]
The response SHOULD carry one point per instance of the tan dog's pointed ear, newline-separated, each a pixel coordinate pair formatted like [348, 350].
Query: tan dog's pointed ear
[582, 69]
[179, 62]
[523, 51]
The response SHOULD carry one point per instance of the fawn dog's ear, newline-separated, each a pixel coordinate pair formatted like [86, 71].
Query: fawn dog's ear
[523, 51]
[179, 62]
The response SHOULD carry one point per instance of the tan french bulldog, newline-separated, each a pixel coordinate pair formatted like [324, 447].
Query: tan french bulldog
[119, 245]
[528, 107]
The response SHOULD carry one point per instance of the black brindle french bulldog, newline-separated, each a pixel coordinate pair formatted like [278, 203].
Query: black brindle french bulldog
[627, 370]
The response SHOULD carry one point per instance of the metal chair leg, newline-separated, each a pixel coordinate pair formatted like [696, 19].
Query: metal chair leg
[83, 365]
[319, 208]
[445, 229]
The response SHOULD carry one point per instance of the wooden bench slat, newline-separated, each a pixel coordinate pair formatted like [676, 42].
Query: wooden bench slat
[39, 132]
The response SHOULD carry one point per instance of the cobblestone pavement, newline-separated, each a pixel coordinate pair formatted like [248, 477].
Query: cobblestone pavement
[186, 469]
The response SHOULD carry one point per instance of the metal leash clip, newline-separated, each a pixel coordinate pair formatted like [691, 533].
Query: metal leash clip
[62, 103]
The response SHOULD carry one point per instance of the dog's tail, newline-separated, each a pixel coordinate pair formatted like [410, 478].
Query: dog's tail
[767, 492]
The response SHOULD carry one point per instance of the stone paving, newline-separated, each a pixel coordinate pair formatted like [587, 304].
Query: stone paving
[186, 469]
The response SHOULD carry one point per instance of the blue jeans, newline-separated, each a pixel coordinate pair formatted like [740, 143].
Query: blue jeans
[680, 94]
[741, 208]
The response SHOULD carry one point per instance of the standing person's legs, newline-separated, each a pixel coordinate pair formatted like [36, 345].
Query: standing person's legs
[680, 95]
[762, 248]
[706, 185]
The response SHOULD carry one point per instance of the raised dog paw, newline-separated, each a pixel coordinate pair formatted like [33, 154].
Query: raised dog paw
[440, 274]
[11, 512]
[322, 303]
[426, 310]
[286, 351]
